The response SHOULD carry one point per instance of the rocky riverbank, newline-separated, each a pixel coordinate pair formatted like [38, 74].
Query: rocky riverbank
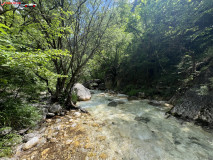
[195, 100]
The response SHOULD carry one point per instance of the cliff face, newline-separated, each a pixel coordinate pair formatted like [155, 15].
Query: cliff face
[196, 102]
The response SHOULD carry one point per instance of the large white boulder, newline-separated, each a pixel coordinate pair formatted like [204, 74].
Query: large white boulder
[83, 93]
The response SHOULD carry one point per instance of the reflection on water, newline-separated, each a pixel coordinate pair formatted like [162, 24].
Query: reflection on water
[136, 130]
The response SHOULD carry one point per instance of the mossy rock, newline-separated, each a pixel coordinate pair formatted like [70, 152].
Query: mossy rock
[4, 131]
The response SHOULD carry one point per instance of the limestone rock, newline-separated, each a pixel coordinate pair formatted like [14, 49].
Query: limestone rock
[83, 93]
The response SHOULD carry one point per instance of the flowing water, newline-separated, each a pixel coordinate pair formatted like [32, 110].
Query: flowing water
[136, 130]
[131, 131]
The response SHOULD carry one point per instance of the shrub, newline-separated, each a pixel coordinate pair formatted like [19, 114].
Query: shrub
[17, 115]
[7, 142]
[74, 98]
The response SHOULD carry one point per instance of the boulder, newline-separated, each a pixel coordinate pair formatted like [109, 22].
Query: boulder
[31, 143]
[55, 108]
[113, 104]
[83, 93]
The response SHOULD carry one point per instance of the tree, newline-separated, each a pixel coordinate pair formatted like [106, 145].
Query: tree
[72, 30]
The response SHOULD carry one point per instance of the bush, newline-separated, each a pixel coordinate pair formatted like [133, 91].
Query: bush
[7, 142]
[74, 98]
[17, 115]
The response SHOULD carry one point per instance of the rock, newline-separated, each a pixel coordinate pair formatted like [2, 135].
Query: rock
[168, 105]
[55, 108]
[120, 101]
[62, 114]
[141, 95]
[122, 96]
[69, 141]
[53, 140]
[101, 94]
[101, 86]
[83, 93]
[4, 131]
[58, 120]
[92, 91]
[113, 104]
[23, 131]
[142, 119]
[94, 85]
[77, 114]
[50, 115]
[73, 125]
[29, 136]
[103, 156]
[195, 102]
[31, 143]
[156, 103]
[132, 98]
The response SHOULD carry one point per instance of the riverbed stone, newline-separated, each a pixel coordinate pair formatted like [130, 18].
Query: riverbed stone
[29, 136]
[31, 143]
[113, 104]
[77, 114]
[122, 96]
[120, 101]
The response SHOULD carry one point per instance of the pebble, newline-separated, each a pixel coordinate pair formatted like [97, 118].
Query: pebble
[73, 125]
[53, 140]
[69, 141]
[77, 114]
[58, 120]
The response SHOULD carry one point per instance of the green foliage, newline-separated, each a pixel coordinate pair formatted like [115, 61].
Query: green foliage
[7, 142]
[74, 97]
[17, 115]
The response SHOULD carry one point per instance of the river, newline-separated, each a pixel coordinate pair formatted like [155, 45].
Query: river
[131, 131]
[139, 131]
